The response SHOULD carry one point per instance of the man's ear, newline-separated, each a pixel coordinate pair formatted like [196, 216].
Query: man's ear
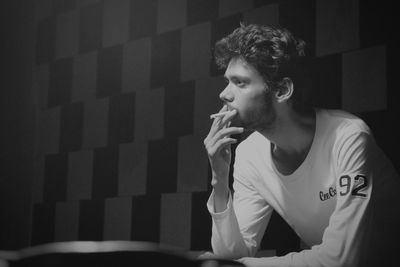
[285, 90]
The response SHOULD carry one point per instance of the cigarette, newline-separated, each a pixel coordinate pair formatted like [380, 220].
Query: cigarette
[213, 116]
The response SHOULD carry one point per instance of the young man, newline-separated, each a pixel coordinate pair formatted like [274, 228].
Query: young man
[321, 170]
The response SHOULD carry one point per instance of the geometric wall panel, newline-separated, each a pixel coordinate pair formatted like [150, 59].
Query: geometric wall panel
[132, 169]
[46, 40]
[230, 7]
[117, 218]
[199, 11]
[71, 127]
[266, 15]
[200, 222]
[377, 23]
[61, 6]
[47, 133]
[80, 169]
[364, 80]
[121, 119]
[60, 86]
[91, 220]
[105, 172]
[195, 65]
[38, 179]
[136, 65]
[115, 22]
[82, 3]
[95, 123]
[179, 102]
[66, 221]
[146, 218]
[84, 79]
[90, 27]
[67, 34]
[43, 223]
[162, 166]
[109, 66]
[143, 18]
[43, 9]
[192, 165]
[175, 220]
[325, 82]
[165, 58]
[149, 114]
[171, 15]
[40, 85]
[337, 26]
[55, 180]
[207, 102]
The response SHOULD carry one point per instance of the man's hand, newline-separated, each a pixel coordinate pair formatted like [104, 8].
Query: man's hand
[218, 146]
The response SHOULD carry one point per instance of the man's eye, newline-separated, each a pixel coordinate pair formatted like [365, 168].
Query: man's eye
[240, 83]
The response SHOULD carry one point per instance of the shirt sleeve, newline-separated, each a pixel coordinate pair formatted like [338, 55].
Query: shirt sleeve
[344, 238]
[237, 231]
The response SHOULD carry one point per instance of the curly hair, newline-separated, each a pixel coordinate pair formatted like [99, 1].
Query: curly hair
[274, 52]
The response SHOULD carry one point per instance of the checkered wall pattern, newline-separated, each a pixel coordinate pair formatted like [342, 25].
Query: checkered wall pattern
[124, 88]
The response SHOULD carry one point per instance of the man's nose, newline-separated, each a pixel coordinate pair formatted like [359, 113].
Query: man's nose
[226, 95]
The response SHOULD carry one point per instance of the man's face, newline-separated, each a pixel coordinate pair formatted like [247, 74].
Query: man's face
[248, 94]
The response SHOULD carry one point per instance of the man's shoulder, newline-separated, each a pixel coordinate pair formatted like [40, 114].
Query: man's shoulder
[340, 121]
[251, 143]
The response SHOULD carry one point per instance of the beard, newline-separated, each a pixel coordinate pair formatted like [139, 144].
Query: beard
[258, 118]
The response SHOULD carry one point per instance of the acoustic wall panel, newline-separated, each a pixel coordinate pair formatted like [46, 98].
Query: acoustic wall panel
[43, 9]
[117, 218]
[230, 7]
[337, 26]
[67, 34]
[62, 6]
[195, 65]
[132, 168]
[175, 220]
[71, 127]
[199, 11]
[40, 85]
[136, 61]
[115, 22]
[90, 27]
[364, 83]
[192, 165]
[109, 66]
[66, 221]
[47, 132]
[171, 15]
[46, 40]
[142, 19]
[80, 171]
[149, 114]
[207, 102]
[84, 77]
[60, 86]
[95, 123]
[265, 15]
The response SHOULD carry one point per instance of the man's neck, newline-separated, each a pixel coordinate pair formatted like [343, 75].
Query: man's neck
[292, 134]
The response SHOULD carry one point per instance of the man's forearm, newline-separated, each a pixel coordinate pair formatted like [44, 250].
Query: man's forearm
[221, 194]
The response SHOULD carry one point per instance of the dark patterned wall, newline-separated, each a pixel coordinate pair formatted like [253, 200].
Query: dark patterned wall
[124, 89]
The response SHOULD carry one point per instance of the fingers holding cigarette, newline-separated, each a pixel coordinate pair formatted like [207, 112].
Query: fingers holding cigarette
[220, 114]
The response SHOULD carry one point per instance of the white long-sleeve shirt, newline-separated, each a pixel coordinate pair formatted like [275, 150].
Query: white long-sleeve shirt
[340, 201]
